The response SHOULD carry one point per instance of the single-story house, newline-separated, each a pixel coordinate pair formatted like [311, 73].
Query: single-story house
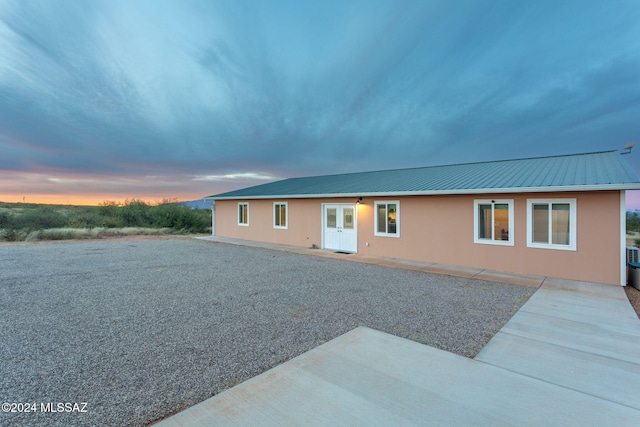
[561, 216]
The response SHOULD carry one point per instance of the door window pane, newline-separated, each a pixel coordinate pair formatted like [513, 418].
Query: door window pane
[347, 220]
[331, 217]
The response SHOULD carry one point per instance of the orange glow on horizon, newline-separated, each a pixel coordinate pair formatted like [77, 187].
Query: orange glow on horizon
[86, 200]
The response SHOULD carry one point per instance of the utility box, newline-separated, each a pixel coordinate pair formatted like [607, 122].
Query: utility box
[633, 274]
[633, 255]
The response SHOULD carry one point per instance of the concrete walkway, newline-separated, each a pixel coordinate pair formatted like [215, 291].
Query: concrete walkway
[580, 336]
[570, 356]
[426, 267]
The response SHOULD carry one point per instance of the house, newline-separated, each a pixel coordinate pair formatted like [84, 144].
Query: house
[561, 216]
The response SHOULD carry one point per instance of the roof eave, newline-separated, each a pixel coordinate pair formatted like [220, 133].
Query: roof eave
[548, 189]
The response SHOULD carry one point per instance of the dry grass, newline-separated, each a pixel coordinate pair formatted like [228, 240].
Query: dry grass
[81, 233]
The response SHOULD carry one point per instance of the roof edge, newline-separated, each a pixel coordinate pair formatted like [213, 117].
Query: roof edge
[446, 165]
[470, 191]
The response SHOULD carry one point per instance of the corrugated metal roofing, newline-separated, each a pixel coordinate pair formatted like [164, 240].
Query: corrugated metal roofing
[583, 172]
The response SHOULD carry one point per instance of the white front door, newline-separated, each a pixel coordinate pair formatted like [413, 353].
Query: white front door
[340, 228]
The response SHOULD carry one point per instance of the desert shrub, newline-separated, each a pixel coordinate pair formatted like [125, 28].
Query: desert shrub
[51, 222]
[5, 220]
[86, 219]
[39, 218]
[135, 213]
[64, 234]
[166, 215]
[111, 222]
[633, 221]
[201, 220]
[180, 217]
[108, 209]
[12, 235]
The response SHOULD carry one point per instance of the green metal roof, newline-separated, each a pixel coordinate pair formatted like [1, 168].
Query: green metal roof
[606, 170]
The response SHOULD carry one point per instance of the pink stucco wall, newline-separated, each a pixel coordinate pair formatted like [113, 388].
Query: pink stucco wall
[440, 229]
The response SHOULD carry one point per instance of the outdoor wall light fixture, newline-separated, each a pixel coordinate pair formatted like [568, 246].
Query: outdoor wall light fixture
[359, 200]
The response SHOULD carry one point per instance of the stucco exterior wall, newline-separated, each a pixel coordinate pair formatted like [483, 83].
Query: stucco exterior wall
[441, 229]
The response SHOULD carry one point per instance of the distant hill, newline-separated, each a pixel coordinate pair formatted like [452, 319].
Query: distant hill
[198, 204]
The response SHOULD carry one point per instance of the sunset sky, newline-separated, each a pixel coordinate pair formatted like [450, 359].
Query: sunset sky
[109, 100]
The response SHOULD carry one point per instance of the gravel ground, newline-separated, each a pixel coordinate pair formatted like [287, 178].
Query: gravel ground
[139, 329]
[634, 298]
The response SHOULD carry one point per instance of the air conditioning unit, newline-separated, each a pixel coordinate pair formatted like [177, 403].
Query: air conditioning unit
[633, 271]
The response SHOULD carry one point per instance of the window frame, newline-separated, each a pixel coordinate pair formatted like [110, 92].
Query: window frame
[375, 218]
[286, 215]
[246, 207]
[573, 224]
[476, 222]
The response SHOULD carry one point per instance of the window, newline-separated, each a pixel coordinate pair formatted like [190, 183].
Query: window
[280, 215]
[331, 217]
[243, 213]
[387, 219]
[551, 224]
[493, 222]
[347, 218]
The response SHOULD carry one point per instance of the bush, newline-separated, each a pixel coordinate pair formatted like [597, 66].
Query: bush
[11, 235]
[135, 213]
[108, 209]
[5, 220]
[180, 217]
[47, 222]
[39, 218]
[84, 220]
[109, 222]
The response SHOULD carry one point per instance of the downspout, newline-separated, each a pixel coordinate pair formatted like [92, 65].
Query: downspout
[623, 238]
[213, 218]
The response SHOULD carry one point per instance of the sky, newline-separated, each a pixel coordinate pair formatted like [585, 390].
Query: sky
[114, 100]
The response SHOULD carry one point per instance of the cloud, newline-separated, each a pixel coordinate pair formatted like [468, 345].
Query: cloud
[215, 91]
[236, 176]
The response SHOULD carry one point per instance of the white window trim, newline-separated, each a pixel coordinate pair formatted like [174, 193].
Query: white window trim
[573, 215]
[238, 213]
[476, 222]
[286, 205]
[375, 218]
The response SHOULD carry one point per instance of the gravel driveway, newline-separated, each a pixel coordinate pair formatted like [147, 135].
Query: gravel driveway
[139, 329]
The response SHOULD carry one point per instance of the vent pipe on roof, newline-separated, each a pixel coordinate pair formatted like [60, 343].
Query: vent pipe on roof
[629, 147]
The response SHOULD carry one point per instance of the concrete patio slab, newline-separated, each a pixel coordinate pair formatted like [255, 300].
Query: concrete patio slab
[585, 308]
[513, 278]
[583, 336]
[366, 377]
[452, 270]
[615, 380]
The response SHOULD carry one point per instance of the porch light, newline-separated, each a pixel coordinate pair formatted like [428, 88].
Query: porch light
[359, 200]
